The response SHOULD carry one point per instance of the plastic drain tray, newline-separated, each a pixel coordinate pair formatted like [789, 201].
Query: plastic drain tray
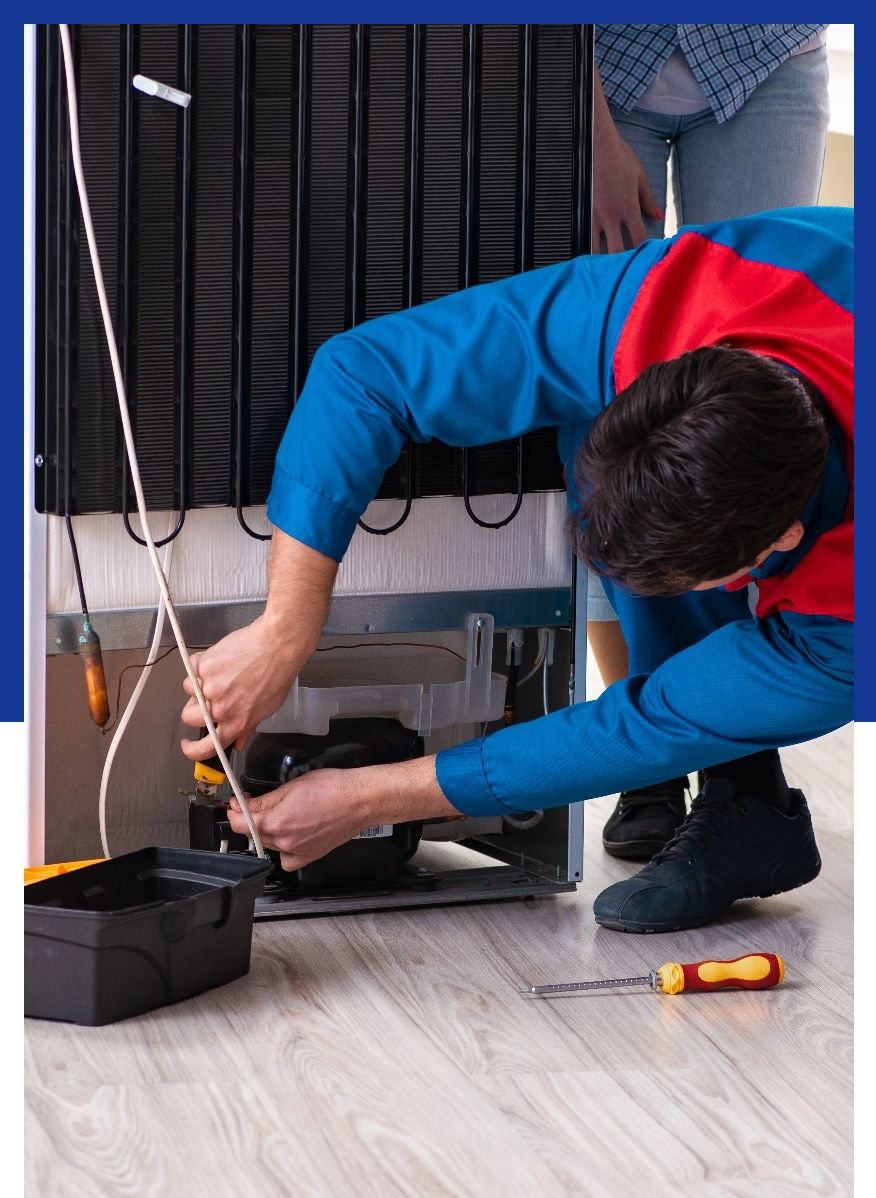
[137, 932]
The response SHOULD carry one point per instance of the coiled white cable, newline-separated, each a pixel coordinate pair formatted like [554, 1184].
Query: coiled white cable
[73, 113]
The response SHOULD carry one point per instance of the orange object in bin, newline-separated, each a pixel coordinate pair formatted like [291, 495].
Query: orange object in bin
[36, 873]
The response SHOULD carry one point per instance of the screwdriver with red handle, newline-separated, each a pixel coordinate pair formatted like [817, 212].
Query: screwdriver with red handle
[755, 971]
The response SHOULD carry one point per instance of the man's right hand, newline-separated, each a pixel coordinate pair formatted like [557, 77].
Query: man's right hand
[246, 676]
[621, 193]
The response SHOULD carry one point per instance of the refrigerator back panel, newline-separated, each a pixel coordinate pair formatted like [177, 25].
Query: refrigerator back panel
[322, 175]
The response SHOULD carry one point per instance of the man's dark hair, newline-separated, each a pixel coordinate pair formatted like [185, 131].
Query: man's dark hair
[696, 468]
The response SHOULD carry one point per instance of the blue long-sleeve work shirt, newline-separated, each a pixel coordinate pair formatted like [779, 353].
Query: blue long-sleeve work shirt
[552, 347]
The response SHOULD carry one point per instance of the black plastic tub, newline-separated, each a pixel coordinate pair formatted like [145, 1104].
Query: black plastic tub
[139, 931]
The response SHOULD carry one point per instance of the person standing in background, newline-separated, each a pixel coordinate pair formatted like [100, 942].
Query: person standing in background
[741, 113]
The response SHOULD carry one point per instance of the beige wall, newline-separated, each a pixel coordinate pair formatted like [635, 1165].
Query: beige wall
[838, 180]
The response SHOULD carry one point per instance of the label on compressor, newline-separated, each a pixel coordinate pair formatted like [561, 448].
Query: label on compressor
[375, 831]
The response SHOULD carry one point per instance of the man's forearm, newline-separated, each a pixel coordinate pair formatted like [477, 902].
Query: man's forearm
[399, 793]
[300, 582]
[247, 675]
[796, 675]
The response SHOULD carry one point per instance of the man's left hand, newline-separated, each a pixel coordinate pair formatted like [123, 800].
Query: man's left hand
[308, 817]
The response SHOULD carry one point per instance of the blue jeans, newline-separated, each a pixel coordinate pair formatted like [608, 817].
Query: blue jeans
[769, 155]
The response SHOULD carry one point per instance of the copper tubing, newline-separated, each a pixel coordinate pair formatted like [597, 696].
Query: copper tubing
[95, 679]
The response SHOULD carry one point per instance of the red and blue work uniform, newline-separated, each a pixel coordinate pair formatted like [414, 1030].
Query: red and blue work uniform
[714, 675]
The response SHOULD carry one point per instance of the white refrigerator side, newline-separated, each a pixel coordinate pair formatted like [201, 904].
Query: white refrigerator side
[34, 523]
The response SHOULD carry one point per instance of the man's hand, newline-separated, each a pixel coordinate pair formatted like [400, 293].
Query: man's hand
[248, 674]
[620, 186]
[245, 678]
[307, 818]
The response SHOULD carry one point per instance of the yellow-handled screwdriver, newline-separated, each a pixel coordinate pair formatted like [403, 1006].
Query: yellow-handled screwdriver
[209, 776]
[755, 971]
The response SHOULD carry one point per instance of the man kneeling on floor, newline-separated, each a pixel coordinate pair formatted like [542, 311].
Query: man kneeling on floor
[701, 387]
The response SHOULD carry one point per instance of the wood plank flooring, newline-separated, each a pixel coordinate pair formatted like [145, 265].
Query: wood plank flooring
[391, 1054]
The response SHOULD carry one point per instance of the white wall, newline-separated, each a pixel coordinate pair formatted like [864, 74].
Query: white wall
[838, 182]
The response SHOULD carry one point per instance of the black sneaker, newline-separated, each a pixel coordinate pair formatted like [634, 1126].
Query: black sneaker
[729, 847]
[644, 820]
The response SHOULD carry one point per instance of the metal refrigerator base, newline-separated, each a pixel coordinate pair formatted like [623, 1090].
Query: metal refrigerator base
[451, 886]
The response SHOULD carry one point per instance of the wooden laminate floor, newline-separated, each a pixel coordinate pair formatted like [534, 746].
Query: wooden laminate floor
[391, 1054]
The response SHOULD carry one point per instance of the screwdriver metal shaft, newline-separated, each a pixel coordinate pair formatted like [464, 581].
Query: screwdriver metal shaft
[608, 984]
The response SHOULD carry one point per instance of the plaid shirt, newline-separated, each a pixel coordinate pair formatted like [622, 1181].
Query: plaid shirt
[728, 61]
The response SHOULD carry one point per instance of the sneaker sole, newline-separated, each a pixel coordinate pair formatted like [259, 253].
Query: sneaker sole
[630, 926]
[633, 850]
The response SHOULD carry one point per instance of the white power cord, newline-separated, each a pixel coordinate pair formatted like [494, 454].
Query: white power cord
[542, 649]
[73, 112]
[131, 704]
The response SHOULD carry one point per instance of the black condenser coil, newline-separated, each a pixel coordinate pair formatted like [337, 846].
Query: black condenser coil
[322, 175]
